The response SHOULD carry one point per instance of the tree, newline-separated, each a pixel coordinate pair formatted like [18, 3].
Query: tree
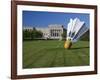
[26, 34]
[36, 34]
[64, 34]
[33, 34]
[85, 37]
[39, 34]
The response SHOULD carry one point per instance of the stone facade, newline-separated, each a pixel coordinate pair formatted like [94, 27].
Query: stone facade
[55, 31]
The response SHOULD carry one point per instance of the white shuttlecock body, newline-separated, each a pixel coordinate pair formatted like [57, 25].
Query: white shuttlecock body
[75, 29]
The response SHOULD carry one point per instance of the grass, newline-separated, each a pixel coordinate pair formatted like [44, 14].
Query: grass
[51, 53]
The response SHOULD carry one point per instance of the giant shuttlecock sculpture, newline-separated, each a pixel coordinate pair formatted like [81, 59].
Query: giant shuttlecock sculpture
[75, 29]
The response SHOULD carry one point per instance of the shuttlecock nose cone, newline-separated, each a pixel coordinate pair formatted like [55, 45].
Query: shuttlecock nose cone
[67, 44]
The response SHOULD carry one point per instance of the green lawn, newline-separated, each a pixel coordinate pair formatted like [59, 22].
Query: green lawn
[51, 53]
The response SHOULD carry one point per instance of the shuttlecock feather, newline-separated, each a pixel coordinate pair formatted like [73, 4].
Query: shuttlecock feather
[75, 29]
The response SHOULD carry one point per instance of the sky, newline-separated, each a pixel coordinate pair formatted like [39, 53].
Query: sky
[43, 19]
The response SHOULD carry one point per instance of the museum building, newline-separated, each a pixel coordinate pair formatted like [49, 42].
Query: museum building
[53, 31]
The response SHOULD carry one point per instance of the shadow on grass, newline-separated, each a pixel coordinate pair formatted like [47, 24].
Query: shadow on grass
[73, 48]
[78, 48]
[54, 49]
